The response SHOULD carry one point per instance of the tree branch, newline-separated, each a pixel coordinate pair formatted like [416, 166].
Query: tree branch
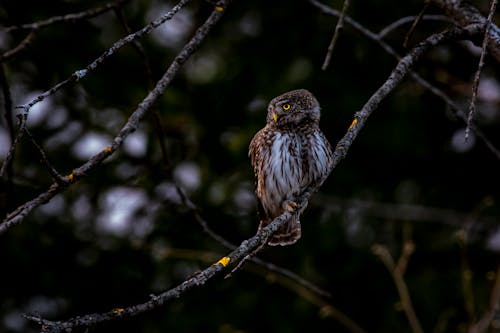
[494, 305]
[67, 18]
[378, 38]
[36, 26]
[464, 13]
[475, 83]
[338, 29]
[20, 47]
[408, 19]
[155, 301]
[402, 68]
[397, 275]
[22, 211]
[7, 189]
[79, 74]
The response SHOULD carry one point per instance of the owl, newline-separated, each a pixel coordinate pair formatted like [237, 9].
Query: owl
[289, 156]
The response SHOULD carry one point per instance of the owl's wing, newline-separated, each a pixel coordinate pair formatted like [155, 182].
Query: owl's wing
[255, 152]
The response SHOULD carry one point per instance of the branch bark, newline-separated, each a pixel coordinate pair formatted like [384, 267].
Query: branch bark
[463, 13]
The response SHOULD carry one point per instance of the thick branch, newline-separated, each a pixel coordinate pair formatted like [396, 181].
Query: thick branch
[199, 279]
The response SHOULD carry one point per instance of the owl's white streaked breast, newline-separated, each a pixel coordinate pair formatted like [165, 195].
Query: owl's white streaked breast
[285, 171]
[285, 166]
[321, 156]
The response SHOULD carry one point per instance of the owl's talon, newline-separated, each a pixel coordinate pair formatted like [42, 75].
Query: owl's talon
[290, 205]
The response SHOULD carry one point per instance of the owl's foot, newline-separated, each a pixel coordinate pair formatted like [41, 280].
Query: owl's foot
[289, 206]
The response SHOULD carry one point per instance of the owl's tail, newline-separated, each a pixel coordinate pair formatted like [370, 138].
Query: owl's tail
[287, 234]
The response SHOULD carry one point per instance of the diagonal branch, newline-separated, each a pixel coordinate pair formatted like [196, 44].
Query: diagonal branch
[494, 305]
[50, 168]
[143, 108]
[36, 26]
[79, 74]
[20, 47]
[333, 42]
[402, 68]
[433, 89]
[67, 18]
[397, 275]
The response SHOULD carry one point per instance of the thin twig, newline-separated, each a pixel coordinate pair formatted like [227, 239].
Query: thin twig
[246, 258]
[67, 18]
[333, 42]
[405, 20]
[20, 47]
[458, 111]
[475, 83]
[155, 116]
[23, 118]
[36, 26]
[137, 45]
[50, 168]
[407, 250]
[494, 305]
[80, 74]
[7, 103]
[384, 255]
[414, 24]
[8, 189]
[326, 309]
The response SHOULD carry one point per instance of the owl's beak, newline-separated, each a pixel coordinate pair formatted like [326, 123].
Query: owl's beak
[275, 116]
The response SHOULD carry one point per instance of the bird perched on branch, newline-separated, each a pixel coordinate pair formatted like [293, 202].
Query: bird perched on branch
[290, 156]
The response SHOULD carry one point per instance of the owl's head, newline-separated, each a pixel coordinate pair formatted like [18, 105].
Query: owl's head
[293, 108]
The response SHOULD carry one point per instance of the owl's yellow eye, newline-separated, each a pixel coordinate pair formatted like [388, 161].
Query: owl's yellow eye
[286, 107]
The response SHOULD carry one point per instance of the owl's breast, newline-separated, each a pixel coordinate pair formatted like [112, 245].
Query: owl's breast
[284, 168]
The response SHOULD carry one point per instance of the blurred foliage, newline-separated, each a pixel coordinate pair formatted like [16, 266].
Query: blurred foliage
[122, 233]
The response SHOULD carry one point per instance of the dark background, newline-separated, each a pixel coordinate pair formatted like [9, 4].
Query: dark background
[122, 233]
